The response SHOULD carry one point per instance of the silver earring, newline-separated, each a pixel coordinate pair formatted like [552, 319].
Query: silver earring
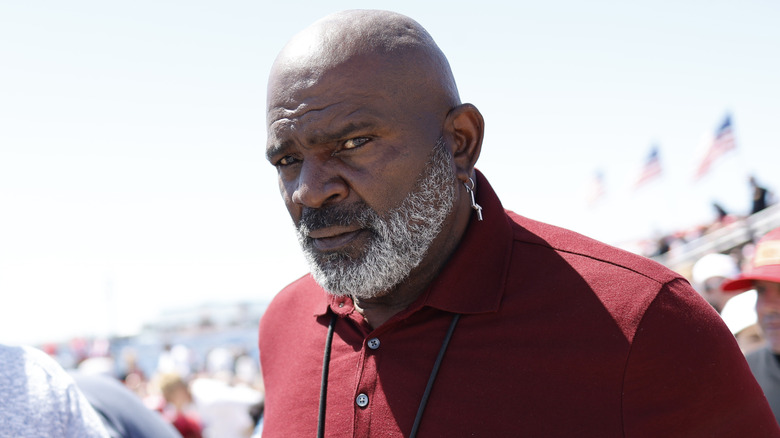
[474, 204]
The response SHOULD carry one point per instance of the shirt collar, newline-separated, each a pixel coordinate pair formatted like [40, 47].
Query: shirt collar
[473, 279]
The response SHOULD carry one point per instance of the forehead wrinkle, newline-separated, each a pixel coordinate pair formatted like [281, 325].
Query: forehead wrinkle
[325, 130]
[319, 118]
[298, 113]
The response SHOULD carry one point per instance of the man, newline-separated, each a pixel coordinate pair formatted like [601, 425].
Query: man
[123, 413]
[708, 275]
[760, 196]
[39, 399]
[430, 309]
[763, 275]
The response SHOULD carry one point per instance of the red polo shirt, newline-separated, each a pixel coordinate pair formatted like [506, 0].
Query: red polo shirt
[560, 336]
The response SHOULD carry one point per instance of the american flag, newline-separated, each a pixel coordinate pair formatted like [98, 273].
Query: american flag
[651, 168]
[723, 142]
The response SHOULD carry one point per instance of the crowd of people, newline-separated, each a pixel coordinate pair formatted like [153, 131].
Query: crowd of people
[215, 395]
[430, 308]
[221, 394]
[748, 299]
[675, 241]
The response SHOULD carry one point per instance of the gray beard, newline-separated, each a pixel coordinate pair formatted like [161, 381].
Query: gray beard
[399, 241]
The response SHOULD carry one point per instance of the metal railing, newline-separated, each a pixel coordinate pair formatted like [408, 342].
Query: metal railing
[722, 240]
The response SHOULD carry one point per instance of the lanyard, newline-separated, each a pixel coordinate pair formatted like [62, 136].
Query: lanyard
[428, 387]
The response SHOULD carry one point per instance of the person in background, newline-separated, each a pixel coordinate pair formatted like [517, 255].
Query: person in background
[179, 401]
[709, 273]
[224, 405]
[430, 308]
[39, 399]
[721, 215]
[760, 198]
[763, 275]
[123, 414]
[256, 411]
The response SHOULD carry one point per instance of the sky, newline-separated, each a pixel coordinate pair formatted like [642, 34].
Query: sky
[132, 136]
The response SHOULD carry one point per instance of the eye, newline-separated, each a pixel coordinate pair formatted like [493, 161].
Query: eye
[353, 143]
[286, 161]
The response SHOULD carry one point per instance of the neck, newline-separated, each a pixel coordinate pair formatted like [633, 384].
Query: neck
[376, 311]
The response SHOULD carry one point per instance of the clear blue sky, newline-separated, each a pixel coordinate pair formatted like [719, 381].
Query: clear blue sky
[132, 176]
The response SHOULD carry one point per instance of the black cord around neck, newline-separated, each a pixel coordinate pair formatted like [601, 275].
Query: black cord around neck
[428, 387]
[324, 383]
[434, 372]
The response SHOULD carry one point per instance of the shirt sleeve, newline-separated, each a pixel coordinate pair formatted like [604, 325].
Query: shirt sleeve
[686, 377]
[60, 399]
[82, 420]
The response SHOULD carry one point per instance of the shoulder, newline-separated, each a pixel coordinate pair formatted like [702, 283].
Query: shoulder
[626, 286]
[39, 360]
[585, 252]
[23, 367]
[42, 399]
[38, 369]
[300, 299]
[302, 295]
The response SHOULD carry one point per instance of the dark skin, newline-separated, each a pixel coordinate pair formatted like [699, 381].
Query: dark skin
[361, 128]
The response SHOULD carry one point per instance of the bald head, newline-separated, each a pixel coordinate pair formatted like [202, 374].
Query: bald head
[363, 115]
[394, 43]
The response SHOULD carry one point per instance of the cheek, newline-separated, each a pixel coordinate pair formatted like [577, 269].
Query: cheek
[294, 210]
[386, 188]
[292, 207]
[282, 188]
[765, 307]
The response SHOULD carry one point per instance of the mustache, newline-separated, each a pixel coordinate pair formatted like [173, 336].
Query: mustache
[358, 213]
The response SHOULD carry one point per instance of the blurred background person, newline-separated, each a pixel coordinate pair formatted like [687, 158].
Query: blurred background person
[123, 413]
[39, 399]
[179, 408]
[227, 404]
[256, 411]
[175, 359]
[761, 196]
[763, 275]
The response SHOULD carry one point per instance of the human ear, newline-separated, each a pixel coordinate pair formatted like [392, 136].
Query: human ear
[466, 127]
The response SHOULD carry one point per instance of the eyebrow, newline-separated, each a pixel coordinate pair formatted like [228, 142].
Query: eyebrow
[321, 137]
[277, 149]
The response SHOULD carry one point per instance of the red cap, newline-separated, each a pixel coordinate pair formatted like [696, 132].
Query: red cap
[765, 265]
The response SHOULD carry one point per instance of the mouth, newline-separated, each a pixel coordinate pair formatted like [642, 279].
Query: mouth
[334, 238]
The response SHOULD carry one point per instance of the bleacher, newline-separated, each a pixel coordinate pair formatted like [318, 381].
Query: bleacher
[723, 240]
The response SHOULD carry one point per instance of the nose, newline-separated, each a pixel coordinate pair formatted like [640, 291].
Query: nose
[318, 185]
